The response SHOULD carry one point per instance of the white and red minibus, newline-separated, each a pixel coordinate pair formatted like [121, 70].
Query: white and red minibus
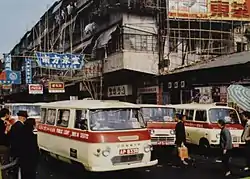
[202, 123]
[100, 135]
[161, 123]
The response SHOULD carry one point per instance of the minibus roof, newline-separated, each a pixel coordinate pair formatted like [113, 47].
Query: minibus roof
[154, 106]
[89, 104]
[198, 106]
[22, 104]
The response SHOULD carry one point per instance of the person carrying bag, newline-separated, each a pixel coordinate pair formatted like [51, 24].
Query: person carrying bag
[180, 141]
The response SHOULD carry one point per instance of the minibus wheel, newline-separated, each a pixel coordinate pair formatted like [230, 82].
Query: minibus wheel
[204, 146]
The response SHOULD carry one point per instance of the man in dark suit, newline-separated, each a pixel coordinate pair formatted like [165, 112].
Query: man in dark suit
[17, 141]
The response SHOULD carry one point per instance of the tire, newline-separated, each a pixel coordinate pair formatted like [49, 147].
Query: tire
[204, 147]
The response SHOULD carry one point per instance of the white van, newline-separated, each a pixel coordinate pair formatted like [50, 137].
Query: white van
[161, 123]
[201, 123]
[100, 135]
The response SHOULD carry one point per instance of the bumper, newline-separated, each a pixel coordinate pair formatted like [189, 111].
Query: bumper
[122, 166]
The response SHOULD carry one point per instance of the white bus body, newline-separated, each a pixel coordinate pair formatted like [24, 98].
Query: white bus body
[201, 123]
[160, 122]
[100, 135]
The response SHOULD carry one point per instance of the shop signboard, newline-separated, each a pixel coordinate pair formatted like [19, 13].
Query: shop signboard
[210, 9]
[121, 90]
[148, 90]
[60, 61]
[10, 77]
[35, 89]
[56, 87]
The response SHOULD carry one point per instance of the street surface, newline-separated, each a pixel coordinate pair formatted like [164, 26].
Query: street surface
[205, 168]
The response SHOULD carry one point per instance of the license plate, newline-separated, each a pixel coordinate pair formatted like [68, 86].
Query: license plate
[129, 151]
[164, 143]
[236, 145]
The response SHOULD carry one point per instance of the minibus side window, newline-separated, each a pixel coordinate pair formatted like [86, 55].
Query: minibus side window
[81, 120]
[51, 116]
[200, 115]
[63, 117]
[43, 115]
[189, 114]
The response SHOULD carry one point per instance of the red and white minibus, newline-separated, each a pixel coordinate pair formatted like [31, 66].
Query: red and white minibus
[161, 123]
[100, 135]
[201, 123]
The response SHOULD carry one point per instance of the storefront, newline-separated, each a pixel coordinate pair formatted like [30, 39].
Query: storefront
[121, 93]
[149, 95]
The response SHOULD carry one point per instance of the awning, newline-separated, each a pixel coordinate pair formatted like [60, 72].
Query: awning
[226, 60]
[57, 7]
[104, 38]
[83, 45]
[240, 95]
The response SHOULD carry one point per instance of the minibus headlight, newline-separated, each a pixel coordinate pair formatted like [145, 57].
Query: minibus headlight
[217, 136]
[106, 152]
[172, 132]
[152, 132]
[147, 148]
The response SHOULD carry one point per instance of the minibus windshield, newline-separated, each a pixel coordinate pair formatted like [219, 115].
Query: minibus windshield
[31, 110]
[228, 115]
[115, 119]
[158, 114]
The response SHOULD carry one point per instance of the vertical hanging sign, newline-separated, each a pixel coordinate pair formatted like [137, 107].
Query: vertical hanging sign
[7, 62]
[28, 71]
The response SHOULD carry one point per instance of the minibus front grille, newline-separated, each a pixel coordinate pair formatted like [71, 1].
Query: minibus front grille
[163, 139]
[127, 159]
[236, 139]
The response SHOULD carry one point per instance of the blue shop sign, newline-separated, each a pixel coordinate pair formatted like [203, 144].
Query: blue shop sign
[60, 61]
[10, 77]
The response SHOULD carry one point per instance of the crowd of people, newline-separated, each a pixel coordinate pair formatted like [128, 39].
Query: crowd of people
[20, 138]
[226, 145]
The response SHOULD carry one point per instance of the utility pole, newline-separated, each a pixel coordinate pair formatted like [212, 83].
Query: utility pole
[162, 15]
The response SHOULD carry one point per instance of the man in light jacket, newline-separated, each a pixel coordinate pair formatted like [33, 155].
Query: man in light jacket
[245, 137]
[226, 146]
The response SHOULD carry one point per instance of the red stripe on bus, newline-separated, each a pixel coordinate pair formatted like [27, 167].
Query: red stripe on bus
[93, 137]
[212, 126]
[161, 125]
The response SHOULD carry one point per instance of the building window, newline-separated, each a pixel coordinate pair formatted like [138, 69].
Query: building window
[63, 117]
[139, 42]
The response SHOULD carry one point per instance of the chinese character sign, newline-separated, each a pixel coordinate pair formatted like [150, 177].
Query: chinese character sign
[7, 61]
[60, 61]
[56, 87]
[211, 9]
[28, 71]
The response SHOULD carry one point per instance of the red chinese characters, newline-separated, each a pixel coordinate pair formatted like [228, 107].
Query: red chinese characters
[219, 9]
[57, 85]
[239, 10]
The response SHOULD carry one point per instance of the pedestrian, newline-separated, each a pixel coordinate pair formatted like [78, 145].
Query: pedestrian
[225, 145]
[4, 142]
[18, 142]
[180, 134]
[5, 116]
[31, 149]
[245, 137]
